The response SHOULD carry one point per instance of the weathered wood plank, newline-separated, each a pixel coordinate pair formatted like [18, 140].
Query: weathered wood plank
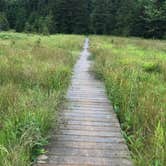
[85, 119]
[95, 161]
[86, 105]
[88, 123]
[88, 145]
[104, 134]
[90, 128]
[85, 115]
[88, 153]
[96, 139]
[89, 112]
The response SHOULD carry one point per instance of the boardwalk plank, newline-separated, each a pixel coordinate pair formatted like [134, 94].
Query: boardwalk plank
[117, 147]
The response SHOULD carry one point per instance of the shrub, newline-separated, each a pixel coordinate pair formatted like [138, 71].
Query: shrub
[28, 27]
[151, 67]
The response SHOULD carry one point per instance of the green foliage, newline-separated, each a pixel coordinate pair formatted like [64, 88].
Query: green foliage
[102, 18]
[28, 27]
[151, 67]
[125, 17]
[145, 18]
[4, 25]
[155, 18]
[136, 85]
[71, 16]
[44, 25]
[34, 74]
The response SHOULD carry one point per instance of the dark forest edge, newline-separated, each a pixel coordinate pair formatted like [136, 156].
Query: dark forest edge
[141, 18]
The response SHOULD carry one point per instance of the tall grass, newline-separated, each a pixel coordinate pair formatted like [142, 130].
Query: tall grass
[134, 74]
[34, 74]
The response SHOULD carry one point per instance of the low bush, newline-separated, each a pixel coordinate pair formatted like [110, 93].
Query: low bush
[151, 67]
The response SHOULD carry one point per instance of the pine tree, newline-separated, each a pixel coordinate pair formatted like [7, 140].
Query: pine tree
[98, 17]
[145, 18]
[4, 25]
[155, 18]
[61, 16]
[125, 17]
[103, 16]
[80, 10]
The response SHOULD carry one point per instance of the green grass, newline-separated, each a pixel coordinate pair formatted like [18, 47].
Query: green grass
[134, 72]
[34, 74]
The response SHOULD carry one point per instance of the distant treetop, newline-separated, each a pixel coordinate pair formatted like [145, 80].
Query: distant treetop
[116, 17]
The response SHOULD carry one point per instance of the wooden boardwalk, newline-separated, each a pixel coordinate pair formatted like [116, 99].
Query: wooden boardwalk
[91, 133]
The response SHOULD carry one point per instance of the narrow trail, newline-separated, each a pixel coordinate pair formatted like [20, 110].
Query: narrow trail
[91, 135]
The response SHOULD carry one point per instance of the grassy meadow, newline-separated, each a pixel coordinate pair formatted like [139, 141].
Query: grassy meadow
[134, 72]
[34, 74]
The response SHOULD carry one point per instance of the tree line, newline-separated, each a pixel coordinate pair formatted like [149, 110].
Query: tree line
[146, 18]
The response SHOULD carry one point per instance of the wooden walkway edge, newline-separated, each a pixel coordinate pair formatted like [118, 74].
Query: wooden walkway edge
[91, 135]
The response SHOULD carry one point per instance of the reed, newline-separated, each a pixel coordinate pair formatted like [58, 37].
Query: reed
[134, 70]
[34, 74]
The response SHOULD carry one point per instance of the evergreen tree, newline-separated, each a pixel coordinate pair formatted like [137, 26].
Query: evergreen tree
[20, 20]
[125, 17]
[28, 27]
[145, 18]
[103, 17]
[2, 5]
[98, 16]
[4, 25]
[80, 16]
[61, 16]
[155, 18]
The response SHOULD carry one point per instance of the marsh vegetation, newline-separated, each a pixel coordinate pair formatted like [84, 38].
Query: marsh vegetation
[134, 72]
[34, 74]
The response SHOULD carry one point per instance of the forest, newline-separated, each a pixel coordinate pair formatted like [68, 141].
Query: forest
[143, 18]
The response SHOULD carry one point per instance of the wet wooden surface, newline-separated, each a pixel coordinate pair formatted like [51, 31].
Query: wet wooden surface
[90, 133]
